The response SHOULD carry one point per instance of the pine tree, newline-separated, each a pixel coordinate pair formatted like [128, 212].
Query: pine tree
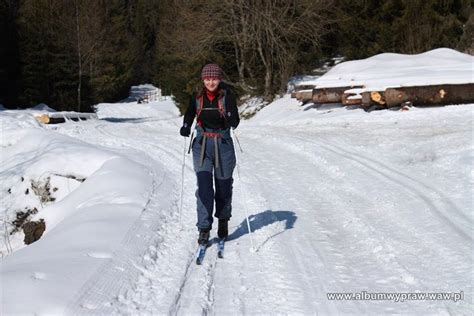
[9, 61]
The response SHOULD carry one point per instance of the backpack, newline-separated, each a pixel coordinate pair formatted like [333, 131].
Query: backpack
[220, 105]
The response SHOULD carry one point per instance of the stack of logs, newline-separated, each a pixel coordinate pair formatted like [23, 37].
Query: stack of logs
[442, 94]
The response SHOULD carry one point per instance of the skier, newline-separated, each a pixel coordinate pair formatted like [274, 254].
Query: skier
[214, 159]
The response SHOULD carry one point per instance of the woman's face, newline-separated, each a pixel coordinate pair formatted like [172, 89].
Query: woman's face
[211, 84]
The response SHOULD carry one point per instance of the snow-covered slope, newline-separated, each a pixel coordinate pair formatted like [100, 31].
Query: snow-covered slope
[438, 66]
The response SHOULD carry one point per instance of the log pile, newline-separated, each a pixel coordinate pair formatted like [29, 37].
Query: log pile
[429, 95]
[303, 93]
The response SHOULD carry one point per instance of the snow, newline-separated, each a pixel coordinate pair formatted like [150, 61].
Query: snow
[298, 80]
[339, 200]
[376, 73]
[43, 107]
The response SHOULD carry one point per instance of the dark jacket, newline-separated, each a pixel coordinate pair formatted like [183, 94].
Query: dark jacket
[213, 119]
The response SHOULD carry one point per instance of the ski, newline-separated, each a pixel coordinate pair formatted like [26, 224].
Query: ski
[220, 248]
[201, 254]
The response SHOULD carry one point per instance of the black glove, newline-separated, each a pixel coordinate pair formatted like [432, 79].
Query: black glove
[185, 130]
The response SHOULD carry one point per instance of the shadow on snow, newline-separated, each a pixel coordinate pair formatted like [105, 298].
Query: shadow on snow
[127, 120]
[263, 219]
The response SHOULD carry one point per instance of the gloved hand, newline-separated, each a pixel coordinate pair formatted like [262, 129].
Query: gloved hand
[185, 130]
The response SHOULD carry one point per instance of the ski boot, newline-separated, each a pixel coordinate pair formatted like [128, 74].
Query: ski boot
[223, 229]
[204, 237]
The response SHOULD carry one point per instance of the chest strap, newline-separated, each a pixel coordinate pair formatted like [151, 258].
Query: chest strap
[212, 134]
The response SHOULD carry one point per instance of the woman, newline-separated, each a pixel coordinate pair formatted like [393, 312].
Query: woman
[216, 112]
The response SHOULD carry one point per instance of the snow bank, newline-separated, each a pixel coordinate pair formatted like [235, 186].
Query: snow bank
[124, 111]
[439, 66]
[83, 228]
[43, 107]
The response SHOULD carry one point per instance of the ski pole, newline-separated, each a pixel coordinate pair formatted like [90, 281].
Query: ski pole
[192, 136]
[191, 142]
[182, 171]
[182, 180]
[238, 142]
[253, 249]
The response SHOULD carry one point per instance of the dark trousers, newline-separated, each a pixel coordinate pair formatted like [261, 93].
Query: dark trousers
[214, 184]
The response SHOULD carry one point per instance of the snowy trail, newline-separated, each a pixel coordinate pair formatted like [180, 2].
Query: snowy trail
[327, 215]
[149, 238]
[345, 215]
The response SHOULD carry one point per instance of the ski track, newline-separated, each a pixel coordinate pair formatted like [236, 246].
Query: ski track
[378, 242]
[96, 294]
[154, 271]
[130, 298]
[407, 182]
[110, 286]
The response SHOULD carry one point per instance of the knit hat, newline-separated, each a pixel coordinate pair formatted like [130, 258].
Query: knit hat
[211, 71]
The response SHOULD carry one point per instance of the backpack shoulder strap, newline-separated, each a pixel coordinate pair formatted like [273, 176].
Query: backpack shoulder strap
[221, 102]
[199, 106]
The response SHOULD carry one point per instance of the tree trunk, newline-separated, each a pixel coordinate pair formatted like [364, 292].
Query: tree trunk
[54, 118]
[330, 95]
[266, 60]
[346, 100]
[431, 95]
[79, 59]
[303, 95]
[268, 95]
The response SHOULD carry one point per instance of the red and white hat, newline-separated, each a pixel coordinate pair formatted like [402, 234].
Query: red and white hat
[211, 71]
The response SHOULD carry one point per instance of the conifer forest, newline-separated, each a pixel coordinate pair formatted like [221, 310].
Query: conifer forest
[72, 54]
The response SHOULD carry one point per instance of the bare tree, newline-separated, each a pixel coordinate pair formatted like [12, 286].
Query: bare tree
[258, 35]
[82, 28]
[272, 31]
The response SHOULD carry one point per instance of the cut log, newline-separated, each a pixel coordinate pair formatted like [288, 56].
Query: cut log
[370, 98]
[431, 95]
[330, 95]
[351, 99]
[300, 88]
[304, 95]
[61, 117]
[377, 97]
[43, 118]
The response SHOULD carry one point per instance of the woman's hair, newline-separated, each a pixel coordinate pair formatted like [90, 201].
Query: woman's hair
[200, 88]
